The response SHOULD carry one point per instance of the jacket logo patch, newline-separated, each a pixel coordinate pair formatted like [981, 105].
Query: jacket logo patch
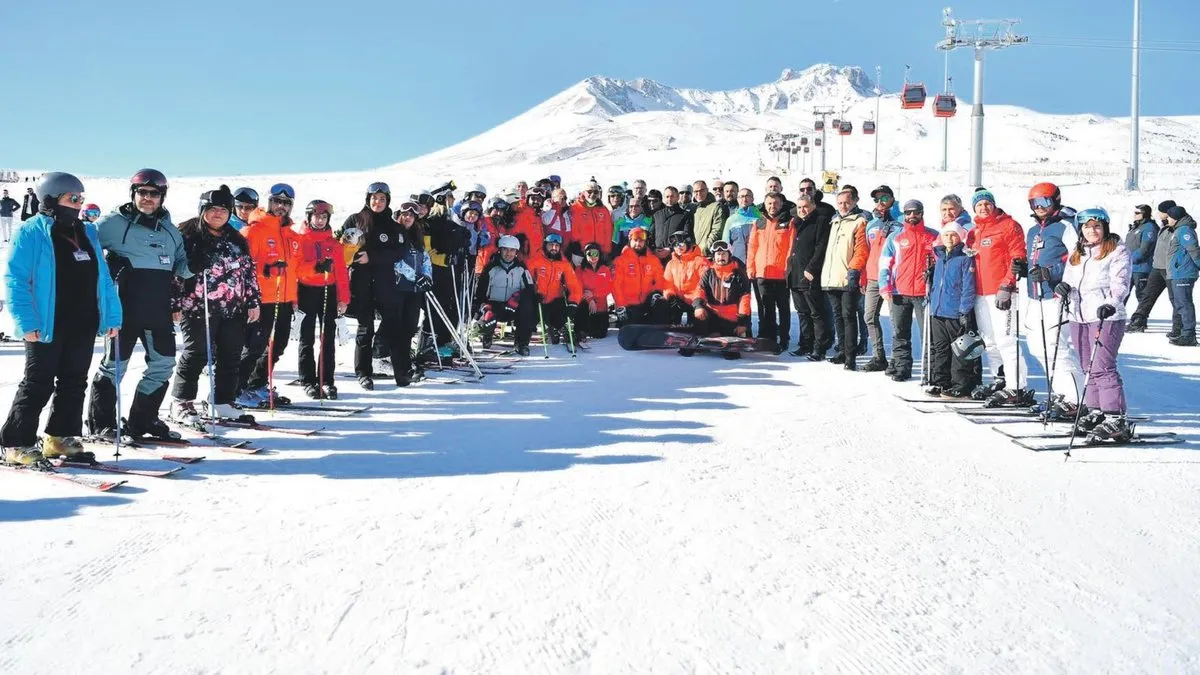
[987, 241]
[903, 243]
[383, 237]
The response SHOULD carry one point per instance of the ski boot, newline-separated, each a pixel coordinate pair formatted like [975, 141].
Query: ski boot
[150, 428]
[889, 368]
[268, 394]
[522, 350]
[555, 335]
[330, 392]
[247, 399]
[184, 413]
[933, 391]
[838, 359]
[367, 383]
[1091, 420]
[1020, 398]
[1114, 429]
[957, 393]
[66, 447]
[225, 411]
[312, 391]
[984, 391]
[25, 455]
[382, 367]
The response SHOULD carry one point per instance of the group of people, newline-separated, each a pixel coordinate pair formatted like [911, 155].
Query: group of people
[235, 278]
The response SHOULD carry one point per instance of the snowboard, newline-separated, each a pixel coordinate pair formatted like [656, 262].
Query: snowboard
[637, 337]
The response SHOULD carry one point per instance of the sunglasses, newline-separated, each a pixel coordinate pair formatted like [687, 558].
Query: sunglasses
[910, 212]
[1041, 202]
[75, 199]
[883, 199]
[282, 201]
[283, 190]
[239, 206]
[148, 193]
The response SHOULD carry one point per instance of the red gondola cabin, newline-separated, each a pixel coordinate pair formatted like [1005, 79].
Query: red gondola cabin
[945, 105]
[913, 96]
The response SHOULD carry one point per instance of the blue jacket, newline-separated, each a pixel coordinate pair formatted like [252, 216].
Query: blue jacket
[953, 290]
[1048, 245]
[1140, 241]
[1184, 264]
[31, 280]
[737, 229]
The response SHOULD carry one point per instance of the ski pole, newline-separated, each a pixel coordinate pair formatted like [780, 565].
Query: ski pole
[212, 382]
[458, 339]
[432, 333]
[571, 337]
[321, 337]
[542, 327]
[1062, 310]
[117, 376]
[1087, 377]
[271, 350]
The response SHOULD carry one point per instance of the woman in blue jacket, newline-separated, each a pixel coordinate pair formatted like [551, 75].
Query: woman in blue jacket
[952, 315]
[61, 296]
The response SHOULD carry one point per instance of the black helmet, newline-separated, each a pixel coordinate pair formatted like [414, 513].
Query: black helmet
[220, 198]
[246, 195]
[377, 188]
[681, 236]
[148, 178]
[968, 346]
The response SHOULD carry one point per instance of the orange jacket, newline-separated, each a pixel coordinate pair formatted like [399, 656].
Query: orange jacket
[270, 241]
[683, 275]
[725, 291]
[996, 242]
[769, 247]
[598, 282]
[527, 226]
[635, 277]
[318, 245]
[550, 276]
[592, 224]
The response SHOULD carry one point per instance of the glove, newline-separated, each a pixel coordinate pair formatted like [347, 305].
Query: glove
[424, 284]
[622, 313]
[1020, 267]
[655, 298]
[1039, 274]
[740, 331]
[967, 321]
[279, 266]
[1105, 311]
[852, 279]
[485, 237]
[324, 266]
[514, 300]
[1062, 290]
[1004, 298]
[700, 313]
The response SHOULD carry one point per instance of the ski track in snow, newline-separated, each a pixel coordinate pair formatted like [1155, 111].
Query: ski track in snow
[625, 513]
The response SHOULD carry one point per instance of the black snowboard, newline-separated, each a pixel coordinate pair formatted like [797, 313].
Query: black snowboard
[636, 337]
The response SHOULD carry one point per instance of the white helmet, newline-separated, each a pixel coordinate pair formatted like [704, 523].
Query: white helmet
[509, 241]
[477, 188]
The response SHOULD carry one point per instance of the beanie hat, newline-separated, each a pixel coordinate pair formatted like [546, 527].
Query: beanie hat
[981, 195]
[954, 227]
[1166, 206]
[1176, 212]
[913, 205]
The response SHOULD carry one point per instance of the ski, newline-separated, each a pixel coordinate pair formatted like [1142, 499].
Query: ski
[944, 401]
[258, 426]
[116, 468]
[340, 411]
[140, 447]
[637, 337]
[83, 481]
[1067, 432]
[994, 412]
[1147, 440]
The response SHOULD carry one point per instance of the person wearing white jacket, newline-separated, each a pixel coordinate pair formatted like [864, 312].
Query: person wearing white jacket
[1096, 283]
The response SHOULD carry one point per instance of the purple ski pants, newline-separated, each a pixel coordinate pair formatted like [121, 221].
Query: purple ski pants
[1105, 391]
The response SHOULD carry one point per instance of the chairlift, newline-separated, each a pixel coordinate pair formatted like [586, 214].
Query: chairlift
[819, 125]
[868, 127]
[845, 128]
[912, 97]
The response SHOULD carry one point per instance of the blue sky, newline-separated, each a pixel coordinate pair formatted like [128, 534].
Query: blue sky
[224, 87]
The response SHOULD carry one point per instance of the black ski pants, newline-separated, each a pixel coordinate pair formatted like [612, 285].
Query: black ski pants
[947, 370]
[274, 319]
[589, 323]
[397, 329]
[1156, 283]
[903, 308]
[845, 314]
[57, 369]
[521, 317]
[319, 304]
[228, 337]
[775, 321]
[811, 310]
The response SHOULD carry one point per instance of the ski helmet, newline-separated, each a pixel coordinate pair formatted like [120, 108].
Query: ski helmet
[638, 233]
[91, 211]
[379, 187]
[968, 346]
[499, 204]
[221, 198]
[509, 241]
[283, 191]
[246, 195]
[424, 198]
[553, 238]
[317, 206]
[476, 193]
[148, 178]
[1044, 195]
[536, 193]
[681, 236]
[410, 207]
[471, 206]
[54, 185]
[1083, 217]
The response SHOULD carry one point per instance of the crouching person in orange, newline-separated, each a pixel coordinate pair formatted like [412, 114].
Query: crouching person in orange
[638, 282]
[723, 308]
[683, 274]
[557, 288]
[596, 278]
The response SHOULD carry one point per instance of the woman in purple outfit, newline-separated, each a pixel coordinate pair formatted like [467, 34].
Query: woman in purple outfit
[1096, 284]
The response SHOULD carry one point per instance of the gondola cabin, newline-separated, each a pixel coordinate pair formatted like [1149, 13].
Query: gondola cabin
[845, 128]
[837, 123]
[806, 148]
[804, 140]
[819, 125]
[868, 127]
[945, 105]
[913, 96]
[817, 142]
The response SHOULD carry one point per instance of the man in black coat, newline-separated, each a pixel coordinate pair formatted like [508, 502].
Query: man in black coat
[803, 276]
[669, 219]
[30, 206]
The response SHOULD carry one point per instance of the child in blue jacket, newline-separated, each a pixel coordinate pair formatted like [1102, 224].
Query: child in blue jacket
[952, 316]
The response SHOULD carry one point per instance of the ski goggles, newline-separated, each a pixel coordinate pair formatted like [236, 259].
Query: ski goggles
[246, 195]
[375, 188]
[1041, 202]
[719, 246]
[92, 213]
[283, 190]
[322, 208]
[475, 196]
[592, 253]
[411, 208]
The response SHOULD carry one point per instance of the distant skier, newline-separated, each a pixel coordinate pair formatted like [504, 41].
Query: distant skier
[30, 205]
[682, 275]
[1156, 282]
[596, 279]
[557, 287]
[8, 206]
[322, 295]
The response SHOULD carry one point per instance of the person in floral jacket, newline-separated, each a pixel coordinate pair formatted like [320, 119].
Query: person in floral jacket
[224, 272]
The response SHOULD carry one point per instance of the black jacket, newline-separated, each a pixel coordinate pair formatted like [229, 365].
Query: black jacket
[29, 206]
[808, 248]
[670, 219]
